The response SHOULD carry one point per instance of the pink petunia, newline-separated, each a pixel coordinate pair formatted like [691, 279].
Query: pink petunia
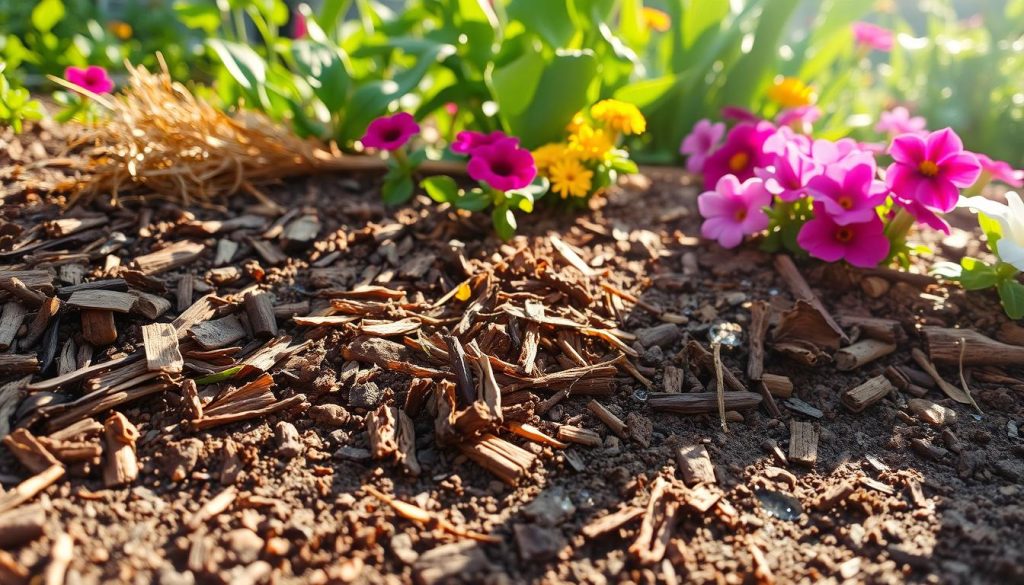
[733, 210]
[742, 152]
[93, 78]
[784, 136]
[739, 114]
[502, 165]
[931, 170]
[849, 192]
[467, 141]
[788, 175]
[801, 118]
[699, 143]
[827, 153]
[390, 132]
[1001, 170]
[899, 121]
[861, 244]
[925, 215]
[872, 36]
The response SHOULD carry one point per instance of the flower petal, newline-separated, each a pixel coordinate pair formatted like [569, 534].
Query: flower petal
[961, 169]
[941, 144]
[908, 149]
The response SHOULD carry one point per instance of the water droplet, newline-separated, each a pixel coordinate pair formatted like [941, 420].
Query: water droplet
[640, 395]
[780, 505]
[728, 334]
[773, 292]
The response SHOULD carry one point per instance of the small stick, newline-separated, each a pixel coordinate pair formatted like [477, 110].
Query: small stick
[795, 281]
[212, 507]
[860, 397]
[463, 378]
[260, 309]
[963, 379]
[950, 390]
[759, 321]
[780, 386]
[613, 422]
[702, 402]
[60, 558]
[720, 385]
[803, 443]
[863, 352]
[579, 435]
[29, 488]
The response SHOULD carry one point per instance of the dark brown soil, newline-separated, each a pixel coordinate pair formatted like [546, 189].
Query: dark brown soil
[304, 518]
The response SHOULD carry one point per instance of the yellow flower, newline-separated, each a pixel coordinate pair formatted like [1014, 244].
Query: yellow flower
[578, 120]
[549, 154]
[655, 19]
[619, 116]
[121, 29]
[463, 292]
[590, 143]
[569, 178]
[790, 92]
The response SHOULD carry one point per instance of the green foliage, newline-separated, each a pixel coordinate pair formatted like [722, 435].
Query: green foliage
[16, 104]
[974, 274]
[503, 204]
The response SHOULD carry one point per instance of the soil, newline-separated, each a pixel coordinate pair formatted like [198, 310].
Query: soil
[905, 513]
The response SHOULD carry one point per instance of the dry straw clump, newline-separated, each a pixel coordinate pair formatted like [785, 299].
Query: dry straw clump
[159, 138]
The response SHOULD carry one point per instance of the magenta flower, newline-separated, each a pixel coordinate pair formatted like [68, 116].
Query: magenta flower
[742, 152]
[299, 27]
[390, 132]
[739, 114]
[467, 141]
[849, 192]
[1001, 170]
[827, 153]
[899, 121]
[925, 215]
[861, 244]
[787, 177]
[930, 170]
[775, 145]
[872, 36]
[699, 143]
[733, 210]
[502, 165]
[93, 78]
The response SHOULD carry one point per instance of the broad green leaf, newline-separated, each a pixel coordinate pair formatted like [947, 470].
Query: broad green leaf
[247, 68]
[331, 14]
[515, 84]
[977, 275]
[198, 14]
[504, 222]
[442, 189]
[756, 67]
[1011, 293]
[47, 14]
[549, 19]
[325, 68]
[397, 188]
[474, 200]
[647, 92]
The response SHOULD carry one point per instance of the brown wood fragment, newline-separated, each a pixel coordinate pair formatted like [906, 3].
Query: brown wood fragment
[106, 300]
[611, 522]
[706, 361]
[211, 421]
[98, 327]
[65, 226]
[405, 438]
[20, 291]
[864, 395]
[569, 255]
[506, 461]
[778, 386]
[10, 398]
[672, 381]
[887, 330]
[528, 431]
[386, 354]
[202, 310]
[149, 305]
[11, 571]
[695, 465]
[190, 392]
[381, 425]
[13, 314]
[84, 428]
[803, 443]
[421, 516]
[37, 280]
[863, 352]
[528, 351]
[944, 347]
[71, 452]
[18, 364]
[48, 309]
[270, 253]
[949, 389]
[27, 449]
[91, 405]
[390, 328]
[801, 290]
[61, 554]
[31, 487]
[760, 313]
[259, 307]
[805, 335]
[579, 435]
[76, 375]
[611, 421]
[657, 524]
[161, 344]
[218, 333]
[702, 402]
[170, 257]
[184, 292]
[21, 525]
[120, 465]
[214, 506]
[225, 251]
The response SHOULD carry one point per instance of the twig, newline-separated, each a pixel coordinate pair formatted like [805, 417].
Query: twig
[963, 379]
[720, 384]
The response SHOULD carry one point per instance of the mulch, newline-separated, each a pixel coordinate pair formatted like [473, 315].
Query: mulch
[316, 388]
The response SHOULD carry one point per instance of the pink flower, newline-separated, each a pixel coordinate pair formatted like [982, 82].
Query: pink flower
[299, 28]
[740, 155]
[467, 141]
[899, 121]
[800, 118]
[502, 165]
[1001, 170]
[776, 144]
[861, 244]
[739, 114]
[872, 36]
[93, 78]
[733, 210]
[930, 170]
[827, 153]
[699, 143]
[787, 177]
[390, 132]
[925, 216]
[849, 192]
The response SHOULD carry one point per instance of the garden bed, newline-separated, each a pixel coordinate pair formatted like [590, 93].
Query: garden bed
[889, 494]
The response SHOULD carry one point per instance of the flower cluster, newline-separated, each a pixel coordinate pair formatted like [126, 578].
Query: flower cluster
[392, 134]
[589, 159]
[833, 200]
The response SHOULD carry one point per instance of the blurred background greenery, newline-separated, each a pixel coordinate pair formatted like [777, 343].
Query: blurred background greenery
[528, 65]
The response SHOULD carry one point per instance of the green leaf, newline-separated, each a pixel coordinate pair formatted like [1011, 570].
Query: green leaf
[198, 14]
[515, 84]
[397, 188]
[977, 275]
[47, 14]
[548, 19]
[474, 200]
[648, 92]
[442, 189]
[504, 222]
[755, 68]
[1011, 293]
[245, 66]
[326, 71]
[992, 229]
[220, 376]
[331, 14]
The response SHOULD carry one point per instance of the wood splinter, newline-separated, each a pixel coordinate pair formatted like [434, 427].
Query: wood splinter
[860, 397]
[611, 421]
[863, 352]
[120, 465]
[803, 443]
[162, 353]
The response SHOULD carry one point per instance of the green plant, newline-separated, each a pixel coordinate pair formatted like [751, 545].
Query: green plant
[16, 104]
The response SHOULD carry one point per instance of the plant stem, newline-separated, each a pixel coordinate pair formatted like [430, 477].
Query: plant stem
[899, 226]
[983, 180]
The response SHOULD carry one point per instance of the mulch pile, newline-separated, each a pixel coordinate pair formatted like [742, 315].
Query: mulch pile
[308, 387]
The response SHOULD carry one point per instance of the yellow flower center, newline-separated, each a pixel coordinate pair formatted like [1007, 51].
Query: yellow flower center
[928, 168]
[844, 235]
[739, 161]
[846, 202]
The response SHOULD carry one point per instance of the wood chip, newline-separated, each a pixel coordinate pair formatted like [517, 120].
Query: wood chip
[702, 402]
[169, 257]
[218, 333]
[611, 522]
[785, 267]
[18, 364]
[13, 314]
[120, 464]
[162, 353]
[695, 465]
[20, 291]
[27, 449]
[803, 443]
[21, 525]
[579, 435]
[98, 327]
[860, 397]
[48, 309]
[778, 386]
[149, 305]
[611, 421]
[107, 300]
[29, 488]
[863, 352]
[259, 307]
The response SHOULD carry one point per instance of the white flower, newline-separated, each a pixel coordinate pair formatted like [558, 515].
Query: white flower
[1010, 218]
